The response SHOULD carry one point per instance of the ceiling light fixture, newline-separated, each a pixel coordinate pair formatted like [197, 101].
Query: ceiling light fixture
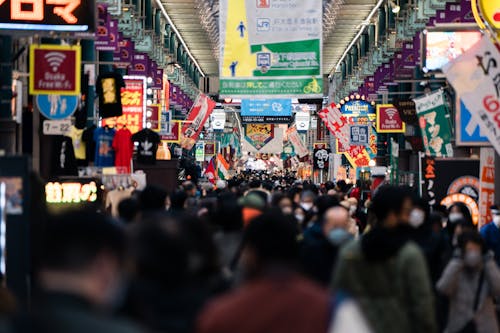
[394, 7]
[172, 25]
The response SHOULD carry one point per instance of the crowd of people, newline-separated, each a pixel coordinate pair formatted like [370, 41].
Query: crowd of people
[264, 254]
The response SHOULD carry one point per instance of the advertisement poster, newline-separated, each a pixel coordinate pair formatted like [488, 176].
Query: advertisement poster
[172, 134]
[359, 135]
[435, 124]
[153, 116]
[55, 69]
[475, 77]
[486, 185]
[271, 48]
[321, 158]
[133, 105]
[107, 30]
[195, 120]
[297, 142]
[266, 111]
[258, 135]
[388, 119]
[468, 132]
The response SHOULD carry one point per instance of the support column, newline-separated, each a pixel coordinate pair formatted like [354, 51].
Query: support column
[7, 124]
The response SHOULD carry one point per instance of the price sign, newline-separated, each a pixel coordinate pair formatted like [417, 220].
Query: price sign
[56, 127]
[48, 15]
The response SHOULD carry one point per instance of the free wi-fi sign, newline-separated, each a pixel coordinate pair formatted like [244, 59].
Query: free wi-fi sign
[48, 15]
[55, 69]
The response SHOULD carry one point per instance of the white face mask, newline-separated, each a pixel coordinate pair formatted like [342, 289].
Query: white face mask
[454, 217]
[306, 205]
[352, 210]
[300, 218]
[496, 220]
[417, 218]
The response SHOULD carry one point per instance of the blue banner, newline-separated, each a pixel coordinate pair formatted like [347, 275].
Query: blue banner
[266, 108]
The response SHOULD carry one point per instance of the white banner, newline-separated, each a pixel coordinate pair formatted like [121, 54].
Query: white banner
[475, 75]
[299, 146]
[302, 120]
[218, 119]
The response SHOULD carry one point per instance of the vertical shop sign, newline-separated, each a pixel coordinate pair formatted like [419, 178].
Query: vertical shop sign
[321, 158]
[394, 162]
[195, 120]
[55, 69]
[475, 75]
[153, 116]
[434, 124]
[199, 151]
[359, 135]
[486, 185]
[272, 50]
[429, 172]
[133, 105]
[336, 123]
[297, 142]
[388, 119]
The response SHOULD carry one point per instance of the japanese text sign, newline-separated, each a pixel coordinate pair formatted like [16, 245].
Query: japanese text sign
[48, 15]
[197, 117]
[486, 185]
[388, 119]
[55, 69]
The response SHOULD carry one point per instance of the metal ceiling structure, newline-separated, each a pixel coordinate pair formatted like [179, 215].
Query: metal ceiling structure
[197, 23]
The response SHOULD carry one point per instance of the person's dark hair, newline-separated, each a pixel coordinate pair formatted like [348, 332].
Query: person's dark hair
[254, 183]
[128, 209]
[228, 213]
[273, 238]
[178, 200]
[276, 199]
[152, 198]
[463, 209]
[471, 236]
[72, 240]
[323, 203]
[159, 251]
[388, 199]
[189, 186]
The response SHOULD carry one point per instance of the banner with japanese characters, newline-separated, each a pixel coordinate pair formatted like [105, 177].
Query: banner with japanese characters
[475, 76]
[434, 121]
[486, 185]
[297, 142]
[195, 121]
[271, 48]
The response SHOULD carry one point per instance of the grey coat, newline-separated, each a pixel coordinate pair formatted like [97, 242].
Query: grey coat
[460, 285]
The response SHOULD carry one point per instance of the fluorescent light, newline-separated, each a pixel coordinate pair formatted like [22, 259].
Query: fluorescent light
[363, 27]
[172, 25]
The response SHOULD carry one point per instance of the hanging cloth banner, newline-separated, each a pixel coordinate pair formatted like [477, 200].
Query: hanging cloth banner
[195, 121]
[475, 75]
[296, 140]
[486, 185]
[435, 124]
[270, 48]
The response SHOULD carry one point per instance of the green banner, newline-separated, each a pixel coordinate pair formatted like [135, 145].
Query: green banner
[271, 48]
[434, 121]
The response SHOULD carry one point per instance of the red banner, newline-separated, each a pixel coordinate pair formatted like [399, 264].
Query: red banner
[174, 136]
[153, 116]
[55, 70]
[133, 106]
[196, 118]
[388, 119]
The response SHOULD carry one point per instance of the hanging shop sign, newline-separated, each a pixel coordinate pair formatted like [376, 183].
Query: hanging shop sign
[153, 116]
[124, 52]
[114, 6]
[199, 151]
[56, 106]
[299, 146]
[140, 64]
[487, 185]
[468, 132]
[434, 124]
[357, 108]
[71, 192]
[475, 77]
[48, 15]
[218, 119]
[55, 69]
[133, 105]
[171, 132]
[359, 135]
[407, 111]
[449, 200]
[258, 135]
[336, 123]
[302, 121]
[429, 176]
[195, 120]
[271, 50]
[270, 111]
[107, 30]
[321, 158]
[209, 148]
[394, 162]
[388, 119]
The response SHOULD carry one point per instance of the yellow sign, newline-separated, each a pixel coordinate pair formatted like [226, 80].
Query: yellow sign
[490, 10]
[70, 192]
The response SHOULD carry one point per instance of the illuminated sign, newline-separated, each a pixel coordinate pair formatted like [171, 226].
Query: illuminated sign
[73, 192]
[466, 200]
[48, 15]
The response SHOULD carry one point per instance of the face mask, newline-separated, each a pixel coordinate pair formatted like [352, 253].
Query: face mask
[472, 258]
[352, 210]
[454, 217]
[287, 210]
[338, 236]
[306, 205]
[496, 220]
[300, 218]
[417, 218]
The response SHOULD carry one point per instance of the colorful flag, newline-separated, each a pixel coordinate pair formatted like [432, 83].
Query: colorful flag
[210, 171]
[222, 167]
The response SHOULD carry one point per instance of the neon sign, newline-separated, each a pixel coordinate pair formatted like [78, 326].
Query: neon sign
[57, 193]
[48, 15]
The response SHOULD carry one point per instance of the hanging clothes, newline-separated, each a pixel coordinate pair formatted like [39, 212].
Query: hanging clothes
[108, 88]
[148, 145]
[104, 153]
[124, 148]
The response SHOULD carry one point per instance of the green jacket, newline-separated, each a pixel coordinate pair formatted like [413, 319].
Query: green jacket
[394, 293]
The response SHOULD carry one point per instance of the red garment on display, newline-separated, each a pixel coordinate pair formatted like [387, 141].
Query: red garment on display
[124, 148]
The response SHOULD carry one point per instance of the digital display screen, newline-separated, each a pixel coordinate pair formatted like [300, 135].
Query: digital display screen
[48, 15]
[441, 47]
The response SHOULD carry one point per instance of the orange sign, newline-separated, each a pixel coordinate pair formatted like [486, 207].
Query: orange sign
[466, 200]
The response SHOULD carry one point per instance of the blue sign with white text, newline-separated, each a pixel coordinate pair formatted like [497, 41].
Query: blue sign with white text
[360, 135]
[57, 107]
[266, 108]
[468, 130]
